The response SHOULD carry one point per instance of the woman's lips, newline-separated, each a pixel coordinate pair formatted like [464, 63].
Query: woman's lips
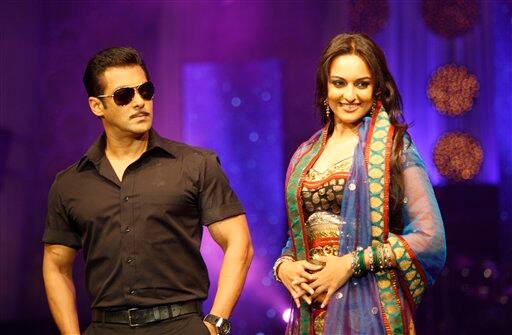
[350, 107]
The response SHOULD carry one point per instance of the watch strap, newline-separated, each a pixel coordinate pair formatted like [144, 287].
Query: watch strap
[222, 325]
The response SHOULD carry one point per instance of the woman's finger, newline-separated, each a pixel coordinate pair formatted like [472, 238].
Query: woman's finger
[295, 296]
[315, 284]
[311, 266]
[307, 288]
[298, 293]
[318, 290]
[294, 291]
[299, 280]
[313, 277]
[327, 298]
[306, 275]
[306, 299]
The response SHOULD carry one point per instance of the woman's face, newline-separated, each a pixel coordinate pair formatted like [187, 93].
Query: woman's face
[349, 89]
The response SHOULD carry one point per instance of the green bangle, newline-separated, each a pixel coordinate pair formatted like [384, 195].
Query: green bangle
[377, 258]
[356, 262]
[360, 259]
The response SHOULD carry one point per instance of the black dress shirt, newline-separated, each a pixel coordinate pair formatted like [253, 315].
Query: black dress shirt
[141, 236]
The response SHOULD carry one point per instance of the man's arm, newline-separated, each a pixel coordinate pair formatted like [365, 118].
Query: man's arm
[60, 290]
[232, 235]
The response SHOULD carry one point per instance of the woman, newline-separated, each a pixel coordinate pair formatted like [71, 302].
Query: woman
[366, 234]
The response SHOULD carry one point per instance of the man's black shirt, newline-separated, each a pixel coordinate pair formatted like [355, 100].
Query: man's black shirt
[141, 236]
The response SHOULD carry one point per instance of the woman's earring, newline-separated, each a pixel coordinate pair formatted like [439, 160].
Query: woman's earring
[372, 109]
[327, 109]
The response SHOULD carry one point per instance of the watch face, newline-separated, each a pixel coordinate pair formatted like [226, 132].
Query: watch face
[225, 327]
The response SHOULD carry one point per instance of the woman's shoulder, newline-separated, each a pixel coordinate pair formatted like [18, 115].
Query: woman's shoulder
[312, 140]
[305, 146]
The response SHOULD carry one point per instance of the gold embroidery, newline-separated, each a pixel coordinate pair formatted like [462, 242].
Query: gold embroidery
[375, 188]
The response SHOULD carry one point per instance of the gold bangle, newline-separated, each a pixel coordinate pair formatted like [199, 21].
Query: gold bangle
[387, 254]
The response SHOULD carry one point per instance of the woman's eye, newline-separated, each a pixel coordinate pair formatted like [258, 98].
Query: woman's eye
[363, 84]
[338, 83]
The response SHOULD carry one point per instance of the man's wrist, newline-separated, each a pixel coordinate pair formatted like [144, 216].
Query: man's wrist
[222, 325]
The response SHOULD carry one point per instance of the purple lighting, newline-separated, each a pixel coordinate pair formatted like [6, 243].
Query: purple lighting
[241, 121]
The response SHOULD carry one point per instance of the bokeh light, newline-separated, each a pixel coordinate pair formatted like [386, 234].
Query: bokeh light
[287, 314]
[368, 16]
[458, 156]
[450, 18]
[452, 90]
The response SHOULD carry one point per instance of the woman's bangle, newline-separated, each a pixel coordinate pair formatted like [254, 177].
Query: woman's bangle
[357, 263]
[377, 252]
[278, 262]
[380, 258]
[387, 255]
[371, 259]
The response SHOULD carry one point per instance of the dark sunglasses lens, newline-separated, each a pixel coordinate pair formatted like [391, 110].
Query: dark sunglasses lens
[124, 95]
[147, 90]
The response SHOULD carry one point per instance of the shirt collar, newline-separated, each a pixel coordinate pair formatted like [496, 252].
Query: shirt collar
[96, 151]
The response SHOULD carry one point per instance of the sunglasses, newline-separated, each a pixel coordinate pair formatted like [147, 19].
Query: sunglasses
[123, 96]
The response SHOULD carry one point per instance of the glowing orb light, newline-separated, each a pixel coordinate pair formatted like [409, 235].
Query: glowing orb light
[452, 90]
[287, 314]
[458, 156]
[450, 18]
[368, 16]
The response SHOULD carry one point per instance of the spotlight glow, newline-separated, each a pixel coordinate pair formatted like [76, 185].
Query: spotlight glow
[286, 314]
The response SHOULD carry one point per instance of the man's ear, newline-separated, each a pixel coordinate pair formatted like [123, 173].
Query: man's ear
[96, 106]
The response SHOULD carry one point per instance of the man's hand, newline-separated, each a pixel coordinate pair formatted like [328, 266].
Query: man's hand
[211, 328]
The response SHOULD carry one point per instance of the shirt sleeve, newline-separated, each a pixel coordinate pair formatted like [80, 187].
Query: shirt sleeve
[59, 229]
[216, 199]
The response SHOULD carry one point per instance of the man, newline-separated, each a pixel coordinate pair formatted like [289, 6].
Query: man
[136, 204]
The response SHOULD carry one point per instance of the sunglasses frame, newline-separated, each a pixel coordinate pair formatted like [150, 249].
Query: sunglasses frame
[134, 88]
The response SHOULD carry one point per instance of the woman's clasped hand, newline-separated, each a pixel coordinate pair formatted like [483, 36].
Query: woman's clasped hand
[315, 282]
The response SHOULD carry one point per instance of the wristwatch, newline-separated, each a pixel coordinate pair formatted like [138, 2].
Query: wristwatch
[223, 325]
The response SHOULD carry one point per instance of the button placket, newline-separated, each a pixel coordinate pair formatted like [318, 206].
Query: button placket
[129, 242]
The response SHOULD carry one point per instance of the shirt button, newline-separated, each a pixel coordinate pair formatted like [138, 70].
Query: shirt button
[126, 198]
[132, 292]
[129, 260]
[127, 229]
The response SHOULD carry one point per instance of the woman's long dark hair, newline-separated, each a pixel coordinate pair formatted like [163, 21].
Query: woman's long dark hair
[385, 90]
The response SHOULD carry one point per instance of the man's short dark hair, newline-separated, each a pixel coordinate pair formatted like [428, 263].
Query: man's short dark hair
[100, 62]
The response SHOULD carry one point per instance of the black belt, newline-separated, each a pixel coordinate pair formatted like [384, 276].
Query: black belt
[140, 316]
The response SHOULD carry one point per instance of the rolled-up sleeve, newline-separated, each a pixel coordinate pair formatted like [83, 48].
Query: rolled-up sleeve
[59, 229]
